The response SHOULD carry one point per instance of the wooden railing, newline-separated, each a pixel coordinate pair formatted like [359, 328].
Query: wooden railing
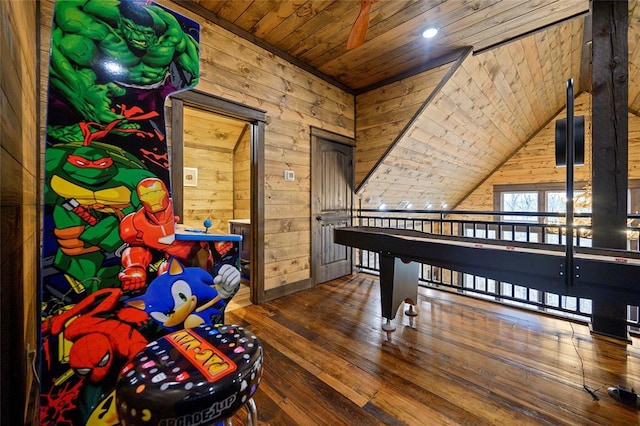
[510, 226]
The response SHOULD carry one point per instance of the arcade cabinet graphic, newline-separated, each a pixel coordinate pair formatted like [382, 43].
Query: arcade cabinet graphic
[109, 228]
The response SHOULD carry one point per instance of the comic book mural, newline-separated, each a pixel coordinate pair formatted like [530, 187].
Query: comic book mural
[115, 276]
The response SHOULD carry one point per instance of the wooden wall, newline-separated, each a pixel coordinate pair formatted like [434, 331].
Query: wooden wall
[19, 205]
[534, 162]
[242, 177]
[384, 112]
[294, 100]
[212, 157]
[219, 148]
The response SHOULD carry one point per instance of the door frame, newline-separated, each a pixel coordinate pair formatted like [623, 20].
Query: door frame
[257, 120]
[317, 134]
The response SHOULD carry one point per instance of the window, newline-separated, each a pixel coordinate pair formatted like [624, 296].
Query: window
[556, 201]
[550, 198]
[519, 202]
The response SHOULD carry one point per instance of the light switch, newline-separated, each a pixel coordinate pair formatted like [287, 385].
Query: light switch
[289, 175]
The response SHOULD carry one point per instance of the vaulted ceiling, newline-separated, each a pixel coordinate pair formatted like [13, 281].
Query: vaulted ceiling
[434, 117]
[315, 32]
[489, 106]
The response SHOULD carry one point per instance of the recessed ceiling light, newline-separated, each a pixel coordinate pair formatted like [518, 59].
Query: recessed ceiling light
[430, 32]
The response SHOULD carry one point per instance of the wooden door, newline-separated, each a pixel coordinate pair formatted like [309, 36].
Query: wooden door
[332, 203]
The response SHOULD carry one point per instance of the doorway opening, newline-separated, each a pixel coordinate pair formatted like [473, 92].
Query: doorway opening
[215, 147]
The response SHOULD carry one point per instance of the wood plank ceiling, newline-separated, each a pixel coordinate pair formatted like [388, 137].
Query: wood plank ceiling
[492, 104]
[487, 106]
[315, 32]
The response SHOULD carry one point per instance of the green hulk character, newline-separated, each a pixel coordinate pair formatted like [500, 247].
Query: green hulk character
[103, 49]
[90, 187]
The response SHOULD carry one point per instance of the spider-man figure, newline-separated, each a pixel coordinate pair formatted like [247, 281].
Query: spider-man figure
[99, 335]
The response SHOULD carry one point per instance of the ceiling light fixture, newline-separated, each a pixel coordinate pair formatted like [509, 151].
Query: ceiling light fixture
[430, 32]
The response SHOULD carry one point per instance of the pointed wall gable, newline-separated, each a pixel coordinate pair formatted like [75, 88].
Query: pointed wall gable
[534, 163]
[492, 104]
[383, 113]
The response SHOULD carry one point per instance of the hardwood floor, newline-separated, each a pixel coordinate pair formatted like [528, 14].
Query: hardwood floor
[241, 299]
[465, 361]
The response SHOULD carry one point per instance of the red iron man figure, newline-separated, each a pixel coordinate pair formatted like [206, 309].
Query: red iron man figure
[151, 227]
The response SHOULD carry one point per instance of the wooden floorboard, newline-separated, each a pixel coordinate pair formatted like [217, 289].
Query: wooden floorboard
[241, 299]
[463, 362]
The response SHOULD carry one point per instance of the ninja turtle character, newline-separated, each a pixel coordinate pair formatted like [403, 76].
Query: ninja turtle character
[90, 187]
[102, 49]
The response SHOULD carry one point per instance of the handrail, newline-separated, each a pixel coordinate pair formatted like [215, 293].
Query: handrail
[544, 227]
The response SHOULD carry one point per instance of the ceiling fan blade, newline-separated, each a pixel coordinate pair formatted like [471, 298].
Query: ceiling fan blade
[361, 24]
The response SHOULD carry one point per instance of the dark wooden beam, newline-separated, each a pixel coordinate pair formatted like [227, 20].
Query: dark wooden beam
[610, 25]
